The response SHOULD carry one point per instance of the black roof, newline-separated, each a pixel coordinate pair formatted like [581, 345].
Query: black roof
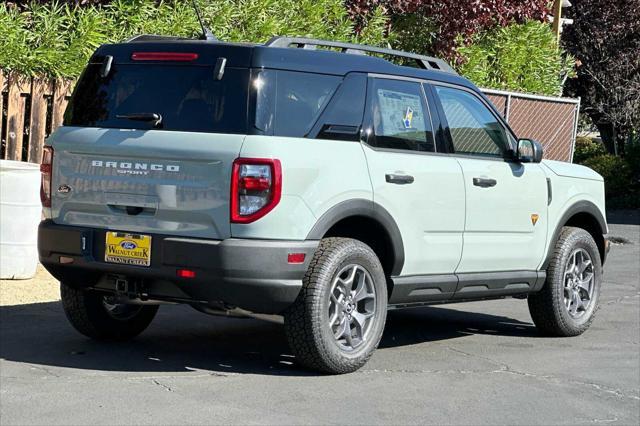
[352, 58]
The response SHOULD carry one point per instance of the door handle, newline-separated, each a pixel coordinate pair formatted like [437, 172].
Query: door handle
[398, 179]
[484, 183]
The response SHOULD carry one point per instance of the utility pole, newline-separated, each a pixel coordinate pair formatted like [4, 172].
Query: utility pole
[557, 18]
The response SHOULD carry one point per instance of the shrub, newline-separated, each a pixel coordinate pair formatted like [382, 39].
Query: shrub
[56, 38]
[586, 148]
[441, 26]
[616, 174]
[520, 57]
[632, 154]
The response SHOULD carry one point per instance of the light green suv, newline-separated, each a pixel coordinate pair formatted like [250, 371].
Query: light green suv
[308, 179]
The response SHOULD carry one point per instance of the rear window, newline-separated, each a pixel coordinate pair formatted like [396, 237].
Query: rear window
[187, 97]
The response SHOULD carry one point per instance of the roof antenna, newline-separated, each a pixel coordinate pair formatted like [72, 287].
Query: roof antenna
[206, 33]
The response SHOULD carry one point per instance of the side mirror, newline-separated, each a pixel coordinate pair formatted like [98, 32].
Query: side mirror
[529, 151]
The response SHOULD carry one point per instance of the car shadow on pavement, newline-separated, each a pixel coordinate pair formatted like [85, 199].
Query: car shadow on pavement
[182, 340]
[623, 217]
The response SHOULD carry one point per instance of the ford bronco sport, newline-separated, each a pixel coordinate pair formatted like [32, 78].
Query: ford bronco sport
[310, 179]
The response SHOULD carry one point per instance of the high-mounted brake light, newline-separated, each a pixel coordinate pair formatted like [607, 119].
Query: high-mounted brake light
[256, 187]
[46, 168]
[164, 56]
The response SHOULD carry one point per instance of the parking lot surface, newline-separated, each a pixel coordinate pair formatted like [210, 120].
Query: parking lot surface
[473, 363]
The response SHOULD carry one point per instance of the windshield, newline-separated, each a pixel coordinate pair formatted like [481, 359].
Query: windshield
[188, 98]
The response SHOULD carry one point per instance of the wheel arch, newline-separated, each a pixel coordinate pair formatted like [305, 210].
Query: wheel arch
[368, 222]
[585, 215]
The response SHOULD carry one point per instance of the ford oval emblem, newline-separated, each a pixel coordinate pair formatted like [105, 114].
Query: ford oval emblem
[128, 245]
[64, 189]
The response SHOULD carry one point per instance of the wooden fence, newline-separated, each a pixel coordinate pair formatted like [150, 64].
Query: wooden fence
[30, 109]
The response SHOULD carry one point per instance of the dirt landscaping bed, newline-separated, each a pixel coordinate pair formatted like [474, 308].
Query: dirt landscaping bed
[41, 288]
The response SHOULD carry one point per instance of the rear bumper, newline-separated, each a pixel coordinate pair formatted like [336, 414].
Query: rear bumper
[250, 274]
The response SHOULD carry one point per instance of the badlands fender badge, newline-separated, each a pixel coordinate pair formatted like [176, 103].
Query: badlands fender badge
[534, 219]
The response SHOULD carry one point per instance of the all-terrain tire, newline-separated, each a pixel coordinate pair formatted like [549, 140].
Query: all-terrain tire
[88, 314]
[307, 321]
[547, 307]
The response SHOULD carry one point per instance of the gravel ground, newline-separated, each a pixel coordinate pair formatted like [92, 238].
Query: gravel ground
[470, 363]
[41, 288]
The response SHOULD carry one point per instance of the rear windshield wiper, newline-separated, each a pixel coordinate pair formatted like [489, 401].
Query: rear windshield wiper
[143, 116]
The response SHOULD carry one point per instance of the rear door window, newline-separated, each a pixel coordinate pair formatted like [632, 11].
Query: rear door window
[399, 115]
[188, 98]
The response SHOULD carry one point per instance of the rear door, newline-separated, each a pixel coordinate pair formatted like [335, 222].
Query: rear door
[506, 201]
[118, 170]
[422, 189]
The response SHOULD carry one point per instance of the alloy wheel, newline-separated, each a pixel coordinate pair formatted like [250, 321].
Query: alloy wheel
[352, 306]
[579, 283]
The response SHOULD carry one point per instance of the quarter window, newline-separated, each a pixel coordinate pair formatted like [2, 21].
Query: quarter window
[473, 128]
[289, 103]
[342, 117]
[399, 116]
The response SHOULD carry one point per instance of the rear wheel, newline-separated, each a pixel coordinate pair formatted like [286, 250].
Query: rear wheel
[336, 322]
[99, 316]
[567, 303]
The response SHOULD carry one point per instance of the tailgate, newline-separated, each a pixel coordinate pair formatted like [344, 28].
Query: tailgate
[145, 181]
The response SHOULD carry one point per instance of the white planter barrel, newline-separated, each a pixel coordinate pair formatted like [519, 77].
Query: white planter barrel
[20, 213]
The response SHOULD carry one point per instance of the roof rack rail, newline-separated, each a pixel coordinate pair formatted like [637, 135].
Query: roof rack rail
[152, 37]
[426, 62]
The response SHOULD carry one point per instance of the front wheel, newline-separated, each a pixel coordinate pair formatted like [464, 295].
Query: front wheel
[567, 303]
[100, 317]
[336, 323]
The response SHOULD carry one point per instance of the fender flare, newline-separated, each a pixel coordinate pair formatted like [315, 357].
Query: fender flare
[369, 209]
[578, 207]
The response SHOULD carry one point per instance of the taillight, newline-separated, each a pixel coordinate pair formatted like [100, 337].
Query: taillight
[46, 168]
[256, 185]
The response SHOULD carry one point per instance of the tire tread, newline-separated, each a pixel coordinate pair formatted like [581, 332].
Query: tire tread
[304, 319]
[547, 310]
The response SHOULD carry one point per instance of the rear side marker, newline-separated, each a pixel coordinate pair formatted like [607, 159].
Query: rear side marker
[296, 258]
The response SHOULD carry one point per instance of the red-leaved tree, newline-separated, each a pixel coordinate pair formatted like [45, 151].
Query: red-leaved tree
[453, 20]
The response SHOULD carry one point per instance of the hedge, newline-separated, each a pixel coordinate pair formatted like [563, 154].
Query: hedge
[57, 38]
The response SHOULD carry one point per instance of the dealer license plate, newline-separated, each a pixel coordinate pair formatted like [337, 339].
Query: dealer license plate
[129, 249]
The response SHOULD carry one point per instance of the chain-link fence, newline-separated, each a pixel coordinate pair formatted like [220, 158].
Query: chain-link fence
[551, 121]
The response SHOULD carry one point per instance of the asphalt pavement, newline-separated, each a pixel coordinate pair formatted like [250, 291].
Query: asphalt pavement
[472, 363]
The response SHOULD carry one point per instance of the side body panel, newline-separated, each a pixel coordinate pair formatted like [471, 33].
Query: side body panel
[429, 212]
[577, 186]
[317, 174]
[506, 224]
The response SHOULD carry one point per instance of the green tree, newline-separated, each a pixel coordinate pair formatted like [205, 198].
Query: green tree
[520, 57]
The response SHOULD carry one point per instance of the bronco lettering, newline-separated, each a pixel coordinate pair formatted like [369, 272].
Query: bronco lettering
[126, 166]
